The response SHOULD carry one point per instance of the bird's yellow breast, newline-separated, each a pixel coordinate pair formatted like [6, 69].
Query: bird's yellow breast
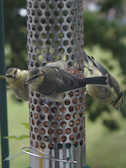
[103, 94]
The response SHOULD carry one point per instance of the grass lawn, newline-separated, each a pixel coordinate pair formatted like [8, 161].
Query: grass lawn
[18, 113]
[105, 149]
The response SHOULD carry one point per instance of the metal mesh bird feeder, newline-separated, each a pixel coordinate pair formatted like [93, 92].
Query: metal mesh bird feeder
[57, 130]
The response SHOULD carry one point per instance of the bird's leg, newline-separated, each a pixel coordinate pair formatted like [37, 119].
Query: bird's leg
[45, 101]
[88, 68]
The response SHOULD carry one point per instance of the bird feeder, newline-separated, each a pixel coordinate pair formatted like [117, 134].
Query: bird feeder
[57, 129]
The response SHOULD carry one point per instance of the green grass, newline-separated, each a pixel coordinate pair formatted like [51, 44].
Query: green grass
[17, 114]
[105, 149]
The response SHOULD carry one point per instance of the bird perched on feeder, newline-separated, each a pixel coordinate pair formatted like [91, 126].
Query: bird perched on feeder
[108, 94]
[16, 79]
[52, 81]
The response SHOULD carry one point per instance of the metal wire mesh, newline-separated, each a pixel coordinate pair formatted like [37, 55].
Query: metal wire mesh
[55, 32]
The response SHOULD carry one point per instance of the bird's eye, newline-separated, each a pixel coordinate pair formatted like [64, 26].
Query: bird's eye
[15, 71]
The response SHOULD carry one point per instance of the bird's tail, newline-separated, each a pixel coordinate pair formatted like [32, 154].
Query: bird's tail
[99, 80]
[89, 60]
[85, 57]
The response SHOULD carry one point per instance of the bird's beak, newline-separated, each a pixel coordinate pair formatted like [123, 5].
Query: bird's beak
[10, 76]
[13, 76]
[28, 81]
[6, 75]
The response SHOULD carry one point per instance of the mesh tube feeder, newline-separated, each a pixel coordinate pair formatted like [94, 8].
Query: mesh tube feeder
[57, 130]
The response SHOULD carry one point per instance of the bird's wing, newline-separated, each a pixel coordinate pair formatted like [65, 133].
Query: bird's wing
[58, 81]
[99, 66]
[70, 81]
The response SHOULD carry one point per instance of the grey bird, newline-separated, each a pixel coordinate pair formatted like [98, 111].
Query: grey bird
[52, 81]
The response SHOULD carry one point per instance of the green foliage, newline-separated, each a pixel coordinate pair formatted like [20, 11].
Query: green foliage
[17, 137]
[26, 125]
[108, 4]
[21, 137]
[106, 42]
[94, 108]
[15, 34]
[106, 34]
[11, 157]
[111, 124]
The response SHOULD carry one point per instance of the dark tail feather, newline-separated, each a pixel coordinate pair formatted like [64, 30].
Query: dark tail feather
[100, 80]
[86, 57]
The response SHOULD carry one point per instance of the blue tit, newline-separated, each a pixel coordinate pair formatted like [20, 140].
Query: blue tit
[16, 79]
[52, 81]
[107, 94]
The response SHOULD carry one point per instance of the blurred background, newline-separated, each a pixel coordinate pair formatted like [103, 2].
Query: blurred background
[105, 40]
